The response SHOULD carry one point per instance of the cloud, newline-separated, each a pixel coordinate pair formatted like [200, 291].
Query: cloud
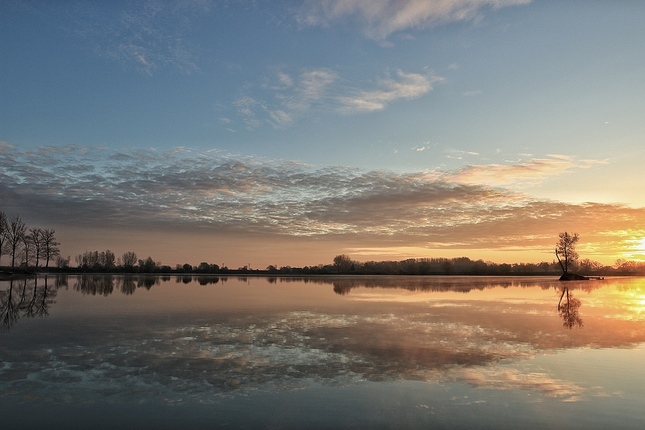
[405, 86]
[528, 172]
[247, 108]
[459, 154]
[312, 86]
[380, 18]
[288, 97]
[211, 191]
[292, 96]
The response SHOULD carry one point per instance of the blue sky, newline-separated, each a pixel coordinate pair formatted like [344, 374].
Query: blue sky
[538, 103]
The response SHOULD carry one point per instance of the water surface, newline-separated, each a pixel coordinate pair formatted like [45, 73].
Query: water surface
[343, 352]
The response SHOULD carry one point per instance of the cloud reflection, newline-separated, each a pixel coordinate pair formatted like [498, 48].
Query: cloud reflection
[513, 379]
[210, 353]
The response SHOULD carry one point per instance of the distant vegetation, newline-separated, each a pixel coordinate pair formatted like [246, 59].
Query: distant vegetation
[343, 264]
[107, 262]
[32, 249]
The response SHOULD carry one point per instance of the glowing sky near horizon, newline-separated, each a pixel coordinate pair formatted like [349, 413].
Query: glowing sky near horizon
[287, 132]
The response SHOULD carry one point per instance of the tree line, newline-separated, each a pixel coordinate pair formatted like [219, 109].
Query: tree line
[27, 246]
[466, 266]
[107, 262]
[31, 247]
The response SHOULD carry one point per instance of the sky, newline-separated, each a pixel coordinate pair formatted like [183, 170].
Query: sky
[252, 132]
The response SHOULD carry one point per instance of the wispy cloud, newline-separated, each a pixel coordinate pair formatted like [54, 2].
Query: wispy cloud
[310, 87]
[380, 18]
[247, 108]
[459, 154]
[526, 172]
[405, 86]
[128, 189]
[289, 97]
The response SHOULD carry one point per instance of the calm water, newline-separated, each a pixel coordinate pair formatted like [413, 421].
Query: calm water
[362, 352]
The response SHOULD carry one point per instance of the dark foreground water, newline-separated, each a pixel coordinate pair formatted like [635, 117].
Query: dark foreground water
[345, 352]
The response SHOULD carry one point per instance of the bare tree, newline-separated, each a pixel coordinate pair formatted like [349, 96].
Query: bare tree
[129, 259]
[107, 260]
[49, 245]
[27, 247]
[3, 232]
[36, 235]
[565, 250]
[16, 229]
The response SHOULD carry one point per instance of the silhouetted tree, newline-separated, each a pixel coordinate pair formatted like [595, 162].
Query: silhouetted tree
[27, 247]
[3, 232]
[343, 263]
[148, 265]
[50, 245]
[565, 250]
[129, 259]
[36, 235]
[203, 267]
[14, 235]
[107, 260]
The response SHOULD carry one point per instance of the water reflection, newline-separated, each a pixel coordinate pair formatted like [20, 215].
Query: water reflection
[465, 284]
[193, 342]
[104, 285]
[569, 309]
[26, 298]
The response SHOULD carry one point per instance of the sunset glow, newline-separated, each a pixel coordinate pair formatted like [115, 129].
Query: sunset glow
[640, 245]
[258, 133]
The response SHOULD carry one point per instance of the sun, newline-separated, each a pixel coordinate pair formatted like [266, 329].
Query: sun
[640, 245]
[635, 249]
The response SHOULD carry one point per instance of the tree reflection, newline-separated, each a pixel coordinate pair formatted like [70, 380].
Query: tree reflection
[21, 300]
[30, 307]
[569, 309]
[45, 299]
[147, 282]
[104, 285]
[9, 307]
[128, 286]
[343, 285]
[207, 280]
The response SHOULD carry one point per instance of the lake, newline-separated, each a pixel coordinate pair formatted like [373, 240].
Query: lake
[322, 352]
